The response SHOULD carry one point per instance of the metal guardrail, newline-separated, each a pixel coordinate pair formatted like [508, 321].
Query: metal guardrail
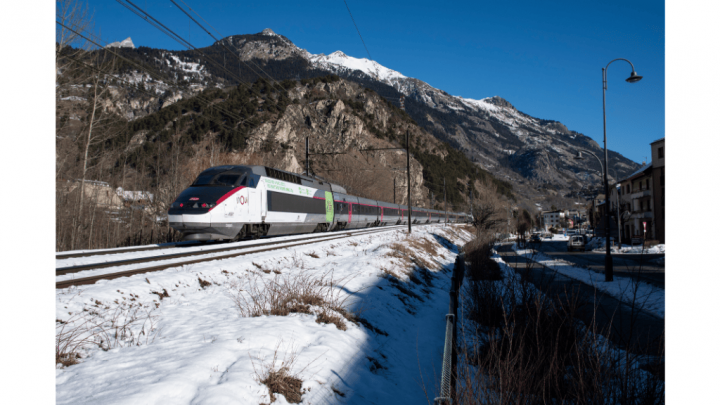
[449, 364]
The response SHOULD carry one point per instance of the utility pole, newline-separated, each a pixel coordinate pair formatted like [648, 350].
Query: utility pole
[407, 144]
[394, 190]
[507, 227]
[471, 199]
[619, 243]
[307, 155]
[444, 200]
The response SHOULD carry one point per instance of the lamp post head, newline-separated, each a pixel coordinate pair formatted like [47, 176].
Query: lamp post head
[579, 156]
[633, 77]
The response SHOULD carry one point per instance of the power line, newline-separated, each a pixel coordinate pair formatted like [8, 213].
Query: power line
[133, 84]
[185, 43]
[240, 60]
[153, 74]
[223, 45]
[178, 38]
[358, 29]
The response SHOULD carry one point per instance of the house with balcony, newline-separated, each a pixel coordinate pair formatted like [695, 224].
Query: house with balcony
[658, 187]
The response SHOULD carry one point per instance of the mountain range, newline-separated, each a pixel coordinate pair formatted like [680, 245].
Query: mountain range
[533, 154]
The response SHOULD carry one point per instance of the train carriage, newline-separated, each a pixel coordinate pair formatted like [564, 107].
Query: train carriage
[235, 202]
[389, 214]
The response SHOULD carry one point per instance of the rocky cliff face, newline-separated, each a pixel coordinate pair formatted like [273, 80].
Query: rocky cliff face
[333, 125]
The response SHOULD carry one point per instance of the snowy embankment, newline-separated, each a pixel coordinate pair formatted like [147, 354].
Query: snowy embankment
[645, 296]
[359, 320]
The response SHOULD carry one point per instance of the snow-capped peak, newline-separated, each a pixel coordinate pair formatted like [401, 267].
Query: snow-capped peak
[340, 59]
[482, 103]
[268, 32]
[126, 43]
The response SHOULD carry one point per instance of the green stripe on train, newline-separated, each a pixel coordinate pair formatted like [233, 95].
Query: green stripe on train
[329, 206]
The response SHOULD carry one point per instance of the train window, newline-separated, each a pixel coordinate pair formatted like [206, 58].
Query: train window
[220, 176]
[227, 179]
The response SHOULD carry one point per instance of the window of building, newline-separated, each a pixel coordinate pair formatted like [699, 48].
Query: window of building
[661, 152]
[647, 184]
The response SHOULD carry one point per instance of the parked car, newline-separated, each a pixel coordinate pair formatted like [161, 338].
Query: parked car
[576, 242]
[535, 238]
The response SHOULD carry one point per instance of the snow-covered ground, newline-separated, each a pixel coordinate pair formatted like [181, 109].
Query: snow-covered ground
[645, 296]
[597, 244]
[185, 340]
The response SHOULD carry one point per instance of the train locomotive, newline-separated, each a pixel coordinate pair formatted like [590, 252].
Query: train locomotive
[239, 202]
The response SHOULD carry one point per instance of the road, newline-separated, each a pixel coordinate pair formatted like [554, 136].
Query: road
[624, 265]
[631, 329]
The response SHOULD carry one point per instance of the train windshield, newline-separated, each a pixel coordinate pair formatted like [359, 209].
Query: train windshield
[222, 178]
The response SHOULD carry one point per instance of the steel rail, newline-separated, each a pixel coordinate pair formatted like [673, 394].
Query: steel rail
[110, 276]
[101, 265]
[188, 244]
[102, 252]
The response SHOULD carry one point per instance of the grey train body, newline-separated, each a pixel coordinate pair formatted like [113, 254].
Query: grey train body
[237, 202]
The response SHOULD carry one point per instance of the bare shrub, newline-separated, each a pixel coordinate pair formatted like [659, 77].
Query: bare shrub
[125, 324]
[528, 349]
[482, 267]
[292, 293]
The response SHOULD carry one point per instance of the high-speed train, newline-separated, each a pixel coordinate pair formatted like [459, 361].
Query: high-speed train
[238, 202]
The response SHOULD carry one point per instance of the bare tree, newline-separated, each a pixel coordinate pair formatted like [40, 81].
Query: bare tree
[74, 15]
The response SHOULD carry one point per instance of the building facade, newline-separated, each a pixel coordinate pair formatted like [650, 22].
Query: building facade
[658, 187]
[553, 219]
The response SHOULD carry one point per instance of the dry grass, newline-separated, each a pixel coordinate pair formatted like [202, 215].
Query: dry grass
[105, 326]
[408, 252]
[330, 318]
[300, 292]
[279, 377]
[204, 283]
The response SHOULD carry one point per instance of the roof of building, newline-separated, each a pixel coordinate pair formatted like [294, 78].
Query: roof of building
[661, 139]
[644, 167]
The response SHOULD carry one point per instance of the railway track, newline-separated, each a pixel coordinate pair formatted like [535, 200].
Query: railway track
[237, 251]
[90, 253]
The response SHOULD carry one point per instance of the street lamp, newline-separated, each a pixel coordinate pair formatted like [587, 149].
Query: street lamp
[632, 79]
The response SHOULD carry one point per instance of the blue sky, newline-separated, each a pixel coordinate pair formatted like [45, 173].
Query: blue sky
[543, 57]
